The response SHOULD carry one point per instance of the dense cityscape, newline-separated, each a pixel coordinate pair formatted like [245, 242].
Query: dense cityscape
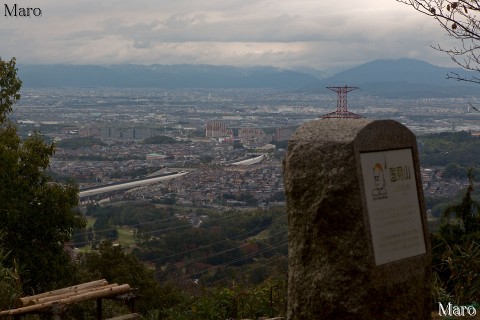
[209, 130]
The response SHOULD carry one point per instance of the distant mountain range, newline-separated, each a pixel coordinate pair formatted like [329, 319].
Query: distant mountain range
[405, 78]
[386, 78]
[163, 76]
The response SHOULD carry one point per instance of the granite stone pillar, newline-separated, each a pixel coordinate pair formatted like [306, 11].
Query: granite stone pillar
[358, 238]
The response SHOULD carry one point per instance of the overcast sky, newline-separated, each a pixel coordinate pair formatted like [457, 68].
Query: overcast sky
[285, 33]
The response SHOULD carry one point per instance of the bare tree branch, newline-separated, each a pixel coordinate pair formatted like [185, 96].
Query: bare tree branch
[461, 20]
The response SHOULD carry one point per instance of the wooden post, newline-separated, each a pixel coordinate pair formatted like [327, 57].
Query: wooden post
[58, 311]
[26, 301]
[99, 309]
[71, 294]
[104, 293]
[131, 304]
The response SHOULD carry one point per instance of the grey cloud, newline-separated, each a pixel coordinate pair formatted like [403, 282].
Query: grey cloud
[197, 28]
[287, 32]
[178, 21]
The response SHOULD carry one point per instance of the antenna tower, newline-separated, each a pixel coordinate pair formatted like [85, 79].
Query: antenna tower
[342, 110]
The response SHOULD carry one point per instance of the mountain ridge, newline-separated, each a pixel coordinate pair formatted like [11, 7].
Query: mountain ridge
[163, 76]
[382, 77]
[399, 70]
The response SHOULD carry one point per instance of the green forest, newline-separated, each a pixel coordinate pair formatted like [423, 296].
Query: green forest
[455, 154]
[458, 152]
[171, 241]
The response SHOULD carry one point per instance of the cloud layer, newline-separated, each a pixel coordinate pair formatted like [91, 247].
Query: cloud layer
[319, 34]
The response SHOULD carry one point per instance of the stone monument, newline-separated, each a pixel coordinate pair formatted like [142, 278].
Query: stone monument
[358, 237]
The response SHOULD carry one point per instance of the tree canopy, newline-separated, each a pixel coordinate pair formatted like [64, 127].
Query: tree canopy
[460, 19]
[37, 215]
[456, 251]
[9, 87]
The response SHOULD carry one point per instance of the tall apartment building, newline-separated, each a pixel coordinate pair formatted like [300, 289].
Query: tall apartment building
[217, 129]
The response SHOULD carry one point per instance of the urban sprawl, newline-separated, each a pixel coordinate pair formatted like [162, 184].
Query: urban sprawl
[230, 142]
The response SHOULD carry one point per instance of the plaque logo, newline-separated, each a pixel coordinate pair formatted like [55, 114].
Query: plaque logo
[379, 192]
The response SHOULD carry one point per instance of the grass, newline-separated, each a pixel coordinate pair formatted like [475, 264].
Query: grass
[261, 235]
[87, 248]
[125, 236]
[91, 221]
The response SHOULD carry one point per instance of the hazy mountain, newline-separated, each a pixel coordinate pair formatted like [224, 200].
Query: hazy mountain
[387, 78]
[401, 70]
[404, 78]
[319, 74]
[163, 76]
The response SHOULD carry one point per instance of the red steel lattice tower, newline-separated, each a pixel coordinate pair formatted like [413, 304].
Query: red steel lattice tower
[342, 109]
